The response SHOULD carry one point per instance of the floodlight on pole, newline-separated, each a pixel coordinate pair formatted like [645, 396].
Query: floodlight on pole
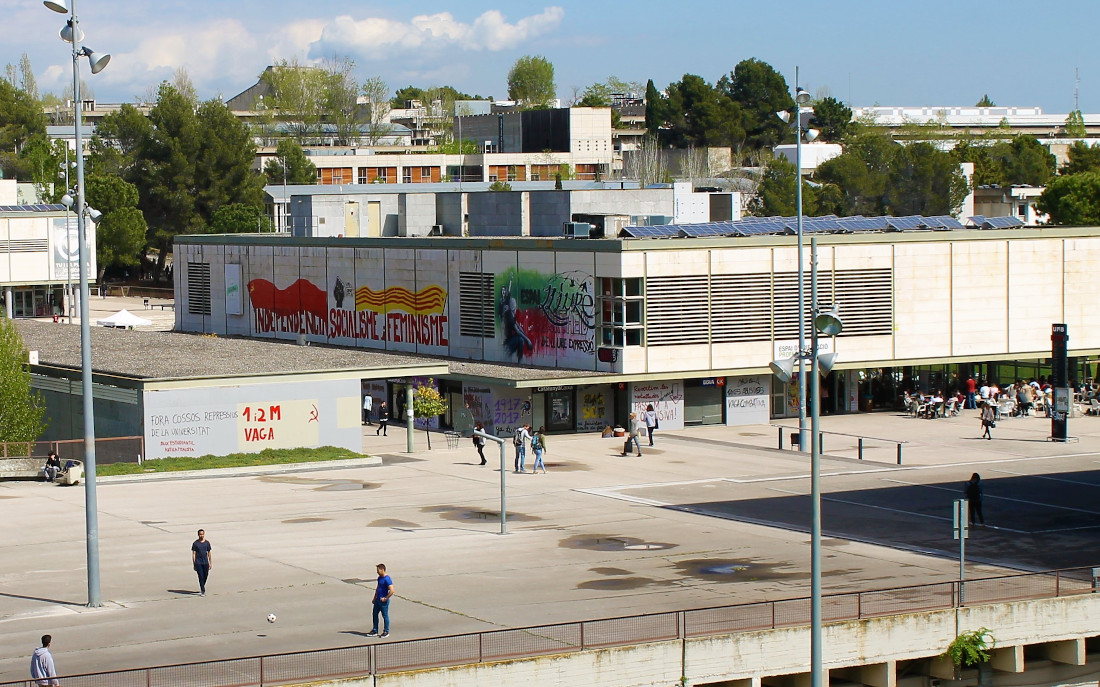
[783, 369]
[97, 62]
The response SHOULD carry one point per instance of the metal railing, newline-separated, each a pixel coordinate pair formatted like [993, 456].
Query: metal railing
[821, 440]
[539, 640]
[107, 449]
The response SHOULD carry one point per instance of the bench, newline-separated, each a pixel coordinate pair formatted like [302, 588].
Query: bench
[31, 468]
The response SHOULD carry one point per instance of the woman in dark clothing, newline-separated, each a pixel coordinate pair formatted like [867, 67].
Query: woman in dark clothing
[973, 492]
[479, 442]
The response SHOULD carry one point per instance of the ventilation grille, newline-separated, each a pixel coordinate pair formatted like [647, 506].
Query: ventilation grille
[742, 308]
[677, 312]
[198, 288]
[475, 305]
[759, 307]
[24, 246]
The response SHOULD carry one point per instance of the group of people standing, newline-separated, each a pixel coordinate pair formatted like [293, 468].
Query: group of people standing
[522, 437]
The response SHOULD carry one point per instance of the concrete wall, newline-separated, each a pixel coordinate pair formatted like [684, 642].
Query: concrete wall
[416, 214]
[866, 651]
[497, 213]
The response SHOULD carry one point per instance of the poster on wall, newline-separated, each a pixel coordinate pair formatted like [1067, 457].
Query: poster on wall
[667, 399]
[747, 398]
[66, 249]
[479, 401]
[247, 419]
[233, 299]
[546, 319]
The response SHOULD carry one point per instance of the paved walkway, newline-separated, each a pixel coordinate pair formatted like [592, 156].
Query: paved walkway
[162, 319]
[600, 535]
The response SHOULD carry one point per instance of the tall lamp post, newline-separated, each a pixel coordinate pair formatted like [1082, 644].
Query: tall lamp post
[71, 33]
[802, 100]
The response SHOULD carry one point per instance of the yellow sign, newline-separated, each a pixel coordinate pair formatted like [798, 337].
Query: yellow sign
[281, 424]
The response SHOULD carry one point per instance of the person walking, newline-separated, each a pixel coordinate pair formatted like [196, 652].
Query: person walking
[635, 431]
[42, 668]
[973, 491]
[382, 593]
[971, 393]
[202, 559]
[479, 442]
[519, 440]
[368, 406]
[538, 445]
[383, 419]
[989, 420]
[650, 422]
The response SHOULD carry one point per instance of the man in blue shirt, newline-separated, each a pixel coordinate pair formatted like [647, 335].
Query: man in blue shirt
[203, 559]
[382, 594]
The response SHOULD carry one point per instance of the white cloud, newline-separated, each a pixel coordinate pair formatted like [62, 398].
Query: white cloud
[376, 38]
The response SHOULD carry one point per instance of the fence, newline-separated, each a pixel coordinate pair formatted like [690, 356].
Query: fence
[107, 449]
[528, 642]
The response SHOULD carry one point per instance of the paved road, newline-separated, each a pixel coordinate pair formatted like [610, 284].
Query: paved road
[710, 516]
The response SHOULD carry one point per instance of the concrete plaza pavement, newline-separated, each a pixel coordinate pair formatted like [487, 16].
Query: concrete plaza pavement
[599, 535]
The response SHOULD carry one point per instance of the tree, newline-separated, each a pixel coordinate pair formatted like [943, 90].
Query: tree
[238, 218]
[299, 168]
[342, 100]
[115, 146]
[428, 403]
[181, 81]
[986, 101]
[223, 168]
[298, 95]
[1082, 158]
[531, 82]
[701, 115]
[599, 94]
[924, 181]
[1075, 125]
[1072, 200]
[20, 118]
[402, 96]
[22, 410]
[861, 172]
[120, 234]
[377, 94]
[42, 162]
[655, 106]
[760, 91]
[500, 186]
[776, 195]
[833, 118]
[1023, 160]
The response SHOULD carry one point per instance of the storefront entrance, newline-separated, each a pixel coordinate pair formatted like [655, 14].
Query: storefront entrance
[704, 401]
[554, 408]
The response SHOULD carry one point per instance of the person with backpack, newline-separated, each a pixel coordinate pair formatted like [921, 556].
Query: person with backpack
[479, 442]
[538, 445]
[519, 440]
[973, 492]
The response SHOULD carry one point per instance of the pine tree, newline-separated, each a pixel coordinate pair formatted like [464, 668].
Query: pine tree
[22, 410]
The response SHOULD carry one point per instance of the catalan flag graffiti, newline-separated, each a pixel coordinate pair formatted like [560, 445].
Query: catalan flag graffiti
[430, 300]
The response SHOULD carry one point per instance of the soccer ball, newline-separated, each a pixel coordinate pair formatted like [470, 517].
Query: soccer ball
[270, 617]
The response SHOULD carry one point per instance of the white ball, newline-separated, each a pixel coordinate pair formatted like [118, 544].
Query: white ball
[270, 617]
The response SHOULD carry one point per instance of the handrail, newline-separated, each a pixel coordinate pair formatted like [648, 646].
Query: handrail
[558, 638]
[821, 441]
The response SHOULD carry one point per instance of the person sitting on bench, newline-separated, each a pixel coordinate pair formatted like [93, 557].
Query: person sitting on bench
[52, 467]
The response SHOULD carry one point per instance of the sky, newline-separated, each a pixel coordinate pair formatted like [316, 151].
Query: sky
[862, 52]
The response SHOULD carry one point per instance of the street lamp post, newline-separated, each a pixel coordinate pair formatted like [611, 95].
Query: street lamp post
[71, 33]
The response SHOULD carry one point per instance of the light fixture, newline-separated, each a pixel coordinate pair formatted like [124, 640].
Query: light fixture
[67, 33]
[93, 214]
[67, 200]
[811, 135]
[59, 6]
[784, 115]
[802, 96]
[828, 322]
[96, 60]
[783, 369]
[825, 363]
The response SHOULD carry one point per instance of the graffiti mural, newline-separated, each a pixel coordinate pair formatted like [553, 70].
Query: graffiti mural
[546, 319]
[392, 314]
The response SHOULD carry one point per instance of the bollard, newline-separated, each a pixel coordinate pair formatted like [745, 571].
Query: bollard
[820, 443]
[899, 453]
[861, 448]
[780, 438]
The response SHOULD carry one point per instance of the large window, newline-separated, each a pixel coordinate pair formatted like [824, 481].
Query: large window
[622, 312]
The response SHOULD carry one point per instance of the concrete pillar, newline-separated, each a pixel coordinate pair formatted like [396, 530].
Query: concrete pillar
[880, 674]
[8, 305]
[1008, 659]
[525, 213]
[1071, 652]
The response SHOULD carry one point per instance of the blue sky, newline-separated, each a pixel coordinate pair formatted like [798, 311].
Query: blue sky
[864, 52]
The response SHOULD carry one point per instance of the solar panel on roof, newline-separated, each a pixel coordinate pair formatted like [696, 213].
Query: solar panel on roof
[909, 223]
[947, 221]
[655, 231]
[976, 220]
[854, 224]
[1002, 222]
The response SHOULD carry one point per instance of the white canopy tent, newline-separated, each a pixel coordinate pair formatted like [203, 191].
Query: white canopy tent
[123, 319]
